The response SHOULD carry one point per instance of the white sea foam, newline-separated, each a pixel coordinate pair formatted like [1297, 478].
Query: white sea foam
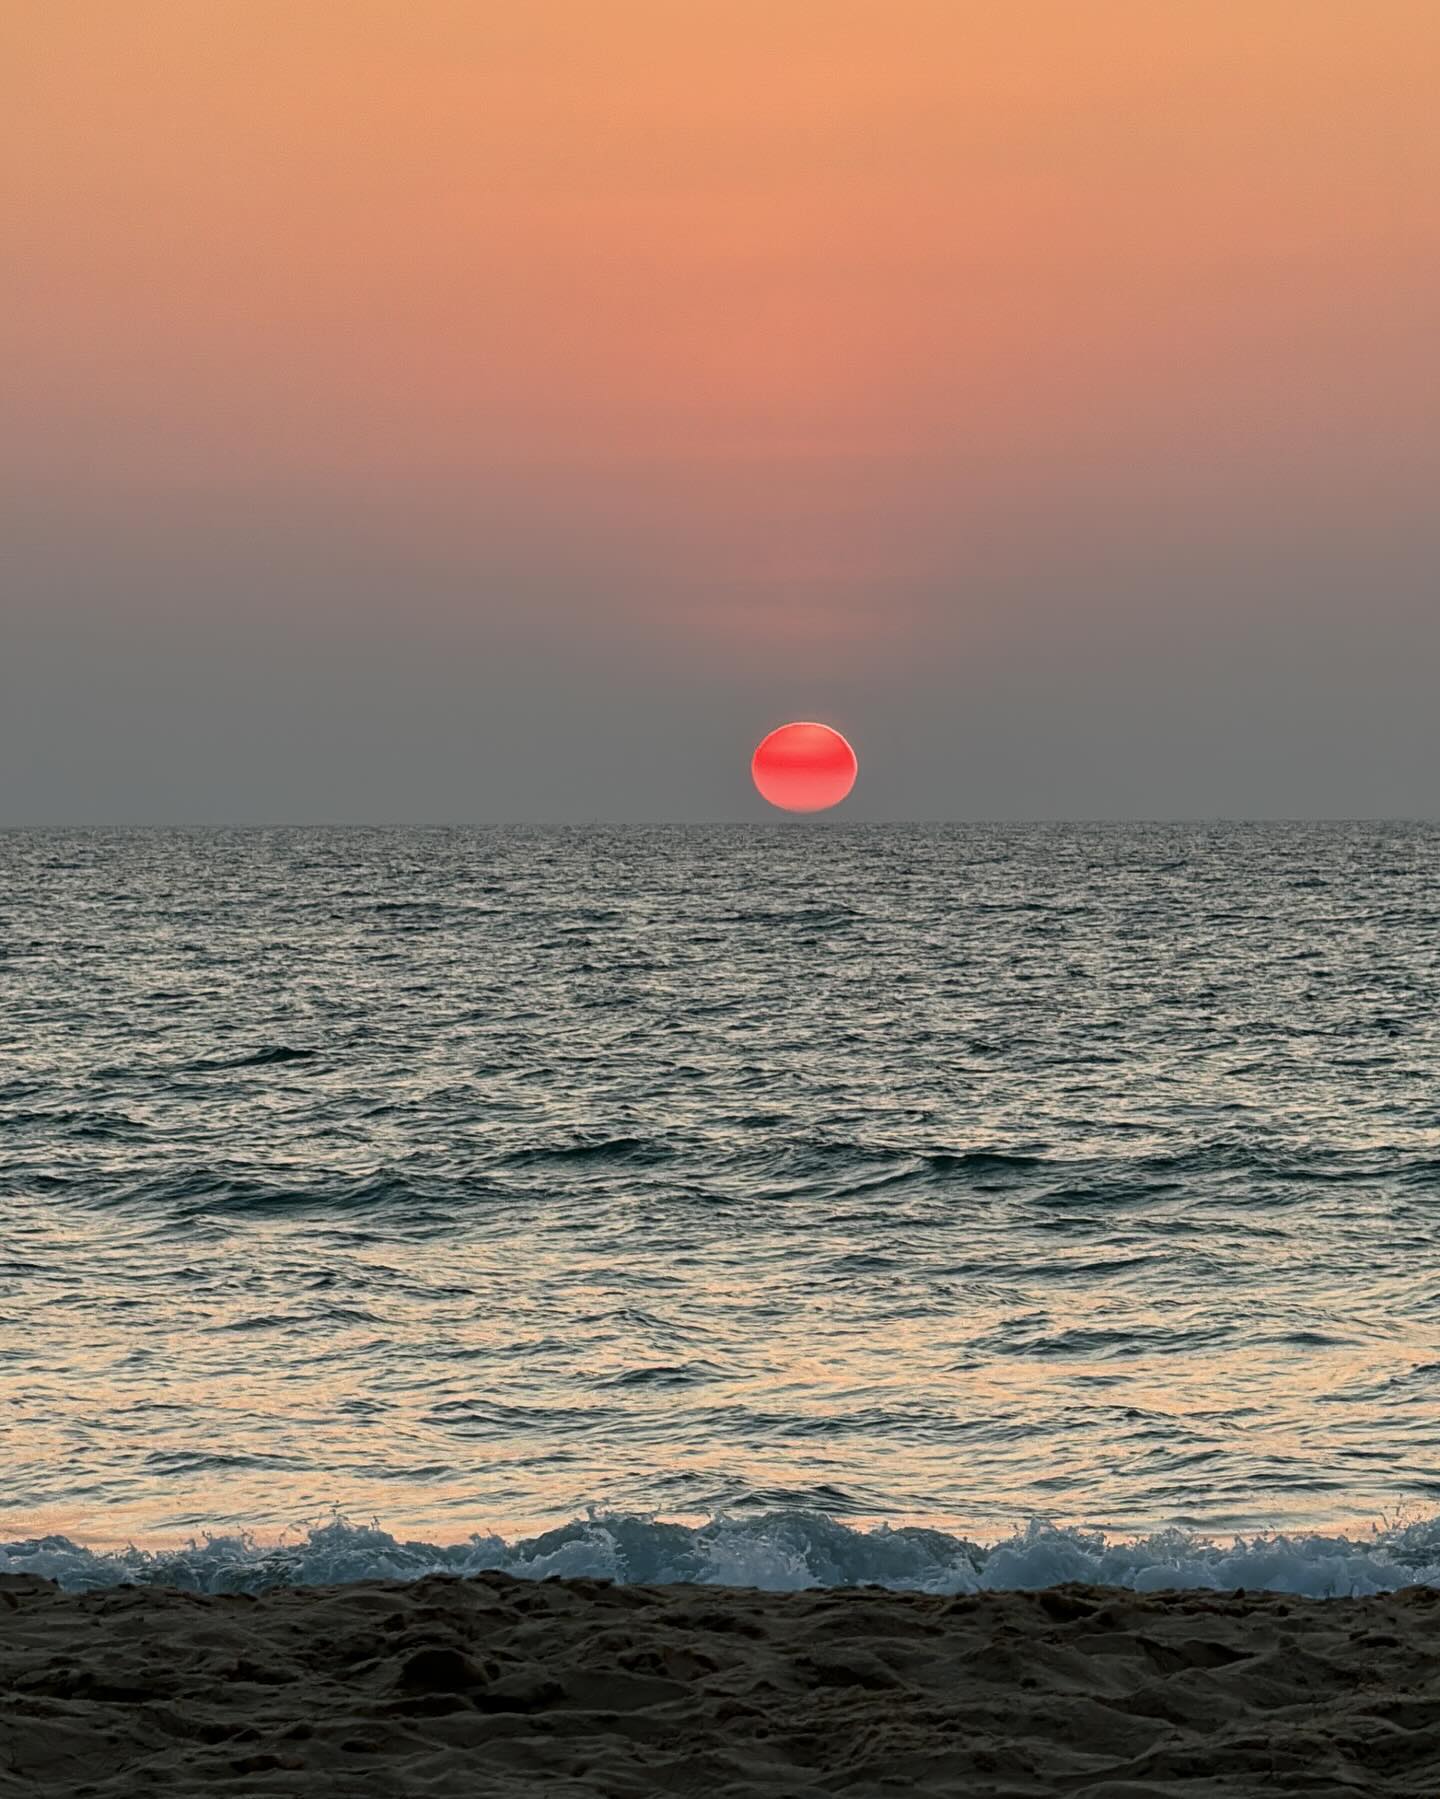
[782, 1552]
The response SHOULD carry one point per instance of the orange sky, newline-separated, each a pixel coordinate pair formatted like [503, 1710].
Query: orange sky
[790, 314]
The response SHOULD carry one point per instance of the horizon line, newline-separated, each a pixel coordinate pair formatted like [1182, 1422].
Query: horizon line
[796, 821]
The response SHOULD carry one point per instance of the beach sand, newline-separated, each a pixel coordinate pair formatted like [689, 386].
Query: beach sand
[565, 1688]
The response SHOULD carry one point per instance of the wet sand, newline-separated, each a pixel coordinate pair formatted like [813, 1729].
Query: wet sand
[569, 1688]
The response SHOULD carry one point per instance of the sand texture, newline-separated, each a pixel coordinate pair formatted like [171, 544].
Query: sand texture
[503, 1686]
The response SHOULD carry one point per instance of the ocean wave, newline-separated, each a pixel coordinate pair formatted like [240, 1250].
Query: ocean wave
[590, 1148]
[266, 1057]
[785, 1551]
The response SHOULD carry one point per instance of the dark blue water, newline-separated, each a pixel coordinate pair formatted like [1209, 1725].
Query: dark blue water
[957, 1176]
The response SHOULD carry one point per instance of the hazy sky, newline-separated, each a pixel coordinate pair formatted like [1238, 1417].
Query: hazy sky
[498, 409]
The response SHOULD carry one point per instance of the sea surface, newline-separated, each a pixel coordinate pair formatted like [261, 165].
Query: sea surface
[935, 1205]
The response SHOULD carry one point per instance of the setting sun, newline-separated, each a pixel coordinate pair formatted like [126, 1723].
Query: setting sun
[804, 767]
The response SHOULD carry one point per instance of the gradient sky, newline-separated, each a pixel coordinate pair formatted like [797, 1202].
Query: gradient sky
[468, 410]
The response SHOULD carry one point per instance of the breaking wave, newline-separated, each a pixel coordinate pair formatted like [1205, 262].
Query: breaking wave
[782, 1552]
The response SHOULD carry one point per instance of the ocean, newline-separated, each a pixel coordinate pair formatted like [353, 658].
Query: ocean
[940, 1206]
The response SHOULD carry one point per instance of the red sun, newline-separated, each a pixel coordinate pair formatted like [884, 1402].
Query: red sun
[804, 768]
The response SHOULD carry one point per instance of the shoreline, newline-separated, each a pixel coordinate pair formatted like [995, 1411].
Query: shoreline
[782, 1551]
[104, 1535]
[576, 1687]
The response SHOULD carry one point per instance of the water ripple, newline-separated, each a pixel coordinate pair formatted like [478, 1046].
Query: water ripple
[944, 1174]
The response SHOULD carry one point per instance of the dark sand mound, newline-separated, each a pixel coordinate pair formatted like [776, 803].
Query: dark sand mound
[569, 1688]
